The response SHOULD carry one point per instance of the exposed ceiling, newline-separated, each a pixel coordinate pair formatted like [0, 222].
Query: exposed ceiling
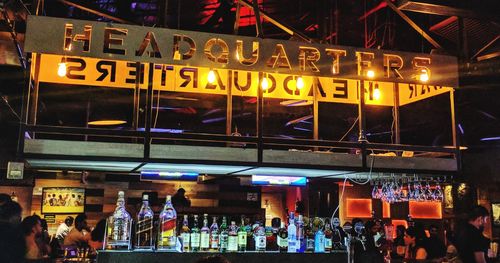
[367, 23]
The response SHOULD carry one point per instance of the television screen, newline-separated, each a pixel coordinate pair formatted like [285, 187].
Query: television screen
[63, 200]
[278, 180]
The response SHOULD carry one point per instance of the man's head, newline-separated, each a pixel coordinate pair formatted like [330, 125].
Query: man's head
[433, 230]
[69, 221]
[10, 212]
[31, 225]
[478, 216]
[81, 222]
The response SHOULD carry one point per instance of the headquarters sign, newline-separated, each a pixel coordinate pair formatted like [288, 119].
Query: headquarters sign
[117, 55]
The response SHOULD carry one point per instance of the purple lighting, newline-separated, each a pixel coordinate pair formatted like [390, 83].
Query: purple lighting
[461, 129]
[490, 139]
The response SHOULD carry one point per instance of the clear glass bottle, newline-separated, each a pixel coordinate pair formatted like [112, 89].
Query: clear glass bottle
[301, 239]
[205, 235]
[282, 238]
[232, 244]
[260, 238]
[185, 234]
[319, 241]
[224, 236]
[292, 234]
[167, 235]
[144, 226]
[214, 235]
[195, 235]
[119, 226]
[242, 236]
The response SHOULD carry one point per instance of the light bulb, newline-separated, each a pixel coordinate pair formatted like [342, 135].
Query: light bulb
[237, 56]
[264, 84]
[376, 94]
[300, 83]
[424, 77]
[61, 69]
[211, 77]
[370, 73]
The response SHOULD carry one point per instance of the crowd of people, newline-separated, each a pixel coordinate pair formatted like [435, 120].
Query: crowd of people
[466, 244]
[28, 240]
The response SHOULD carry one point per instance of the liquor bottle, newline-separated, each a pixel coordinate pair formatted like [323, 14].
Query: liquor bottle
[242, 236]
[271, 244]
[214, 235]
[144, 226]
[224, 236]
[249, 230]
[205, 235]
[232, 238]
[309, 231]
[167, 237]
[301, 245]
[292, 234]
[195, 235]
[319, 241]
[328, 236]
[185, 234]
[119, 225]
[260, 238]
[282, 238]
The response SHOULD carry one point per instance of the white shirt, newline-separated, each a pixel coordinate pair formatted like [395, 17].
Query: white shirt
[62, 231]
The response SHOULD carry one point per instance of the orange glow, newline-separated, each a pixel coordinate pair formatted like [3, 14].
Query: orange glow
[107, 122]
[386, 210]
[361, 208]
[426, 210]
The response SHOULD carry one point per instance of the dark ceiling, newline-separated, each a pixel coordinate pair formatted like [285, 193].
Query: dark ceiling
[467, 29]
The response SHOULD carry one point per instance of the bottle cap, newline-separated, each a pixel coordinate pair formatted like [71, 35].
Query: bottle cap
[145, 197]
[121, 194]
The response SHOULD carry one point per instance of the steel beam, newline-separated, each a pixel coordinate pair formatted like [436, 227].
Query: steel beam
[288, 29]
[414, 25]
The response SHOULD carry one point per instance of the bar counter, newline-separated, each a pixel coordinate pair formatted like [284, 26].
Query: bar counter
[247, 257]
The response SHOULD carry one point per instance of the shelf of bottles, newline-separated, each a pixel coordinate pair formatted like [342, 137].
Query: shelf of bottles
[298, 236]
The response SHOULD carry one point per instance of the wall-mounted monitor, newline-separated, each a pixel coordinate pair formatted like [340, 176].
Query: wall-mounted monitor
[278, 180]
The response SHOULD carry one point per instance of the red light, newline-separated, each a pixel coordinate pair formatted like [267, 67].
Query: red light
[426, 210]
[361, 208]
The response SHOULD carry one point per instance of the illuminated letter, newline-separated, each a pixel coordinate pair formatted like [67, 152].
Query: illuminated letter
[176, 51]
[237, 84]
[187, 79]
[149, 39]
[279, 58]
[242, 59]
[137, 77]
[364, 62]
[109, 40]
[307, 56]
[71, 69]
[335, 53]
[223, 56]
[394, 63]
[420, 64]
[287, 89]
[85, 37]
[104, 71]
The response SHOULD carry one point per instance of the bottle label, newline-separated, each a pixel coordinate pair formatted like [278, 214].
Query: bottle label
[168, 233]
[223, 241]
[260, 242]
[214, 240]
[242, 239]
[310, 244]
[195, 240]
[205, 240]
[328, 243]
[292, 246]
[232, 244]
[185, 240]
[282, 242]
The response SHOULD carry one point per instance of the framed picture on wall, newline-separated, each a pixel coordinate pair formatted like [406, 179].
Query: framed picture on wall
[495, 210]
[63, 200]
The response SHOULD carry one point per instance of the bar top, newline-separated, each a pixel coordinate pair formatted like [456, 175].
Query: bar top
[247, 257]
